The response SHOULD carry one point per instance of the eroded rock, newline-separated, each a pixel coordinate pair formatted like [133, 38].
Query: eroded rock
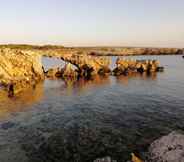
[69, 72]
[88, 65]
[19, 68]
[168, 148]
[128, 66]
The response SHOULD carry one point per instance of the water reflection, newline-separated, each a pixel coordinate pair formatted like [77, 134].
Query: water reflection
[81, 85]
[124, 79]
[68, 87]
[20, 102]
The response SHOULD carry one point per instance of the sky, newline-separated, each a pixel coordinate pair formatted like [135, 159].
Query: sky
[152, 23]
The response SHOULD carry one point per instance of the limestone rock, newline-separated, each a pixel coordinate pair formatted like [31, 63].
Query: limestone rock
[168, 148]
[87, 65]
[69, 71]
[128, 66]
[19, 67]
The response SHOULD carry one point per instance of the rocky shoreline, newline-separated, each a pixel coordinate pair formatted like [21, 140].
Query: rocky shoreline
[19, 68]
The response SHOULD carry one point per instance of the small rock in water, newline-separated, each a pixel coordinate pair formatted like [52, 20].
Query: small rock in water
[105, 159]
[54, 72]
[160, 69]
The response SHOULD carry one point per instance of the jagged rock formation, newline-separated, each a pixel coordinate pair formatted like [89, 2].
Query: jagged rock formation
[18, 68]
[125, 66]
[68, 71]
[88, 65]
[168, 148]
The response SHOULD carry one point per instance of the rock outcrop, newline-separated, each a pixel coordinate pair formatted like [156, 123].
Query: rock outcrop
[168, 148]
[18, 68]
[69, 71]
[88, 65]
[125, 66]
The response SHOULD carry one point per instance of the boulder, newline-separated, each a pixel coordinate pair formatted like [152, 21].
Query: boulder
[169, 148]
[104, 70]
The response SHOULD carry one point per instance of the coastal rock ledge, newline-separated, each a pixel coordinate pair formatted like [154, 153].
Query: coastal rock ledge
[19, 68]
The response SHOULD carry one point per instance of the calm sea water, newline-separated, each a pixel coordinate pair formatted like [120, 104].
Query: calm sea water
[111, 116]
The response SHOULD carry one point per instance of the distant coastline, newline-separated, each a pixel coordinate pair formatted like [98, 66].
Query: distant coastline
[100, 51]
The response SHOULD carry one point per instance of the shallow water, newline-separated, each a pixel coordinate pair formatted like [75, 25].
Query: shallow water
[111, 116]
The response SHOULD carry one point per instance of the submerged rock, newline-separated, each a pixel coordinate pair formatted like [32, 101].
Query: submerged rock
[19, 68]
[169, 148]
[105, 159]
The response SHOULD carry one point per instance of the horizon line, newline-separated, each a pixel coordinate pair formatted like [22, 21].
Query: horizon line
[84, 46]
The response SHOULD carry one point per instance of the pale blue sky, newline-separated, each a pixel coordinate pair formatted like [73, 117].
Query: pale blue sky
[93, 22]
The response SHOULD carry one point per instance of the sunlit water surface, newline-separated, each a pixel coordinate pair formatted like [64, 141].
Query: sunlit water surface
[111, 116]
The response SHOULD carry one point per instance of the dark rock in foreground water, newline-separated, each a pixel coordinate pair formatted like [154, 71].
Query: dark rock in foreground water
[168, 148]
